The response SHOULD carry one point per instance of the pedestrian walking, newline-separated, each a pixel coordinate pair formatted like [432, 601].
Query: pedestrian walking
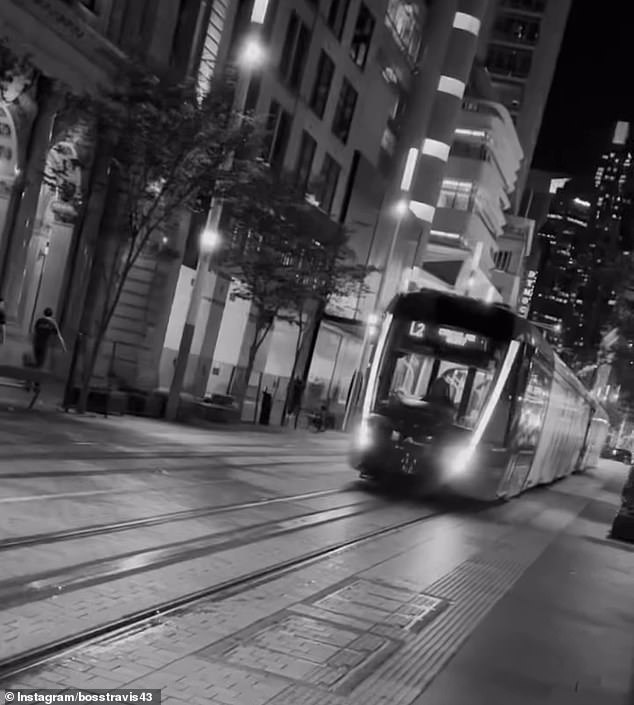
[44, 330]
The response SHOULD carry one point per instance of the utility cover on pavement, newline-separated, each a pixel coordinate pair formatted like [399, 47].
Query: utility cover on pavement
[334, 641]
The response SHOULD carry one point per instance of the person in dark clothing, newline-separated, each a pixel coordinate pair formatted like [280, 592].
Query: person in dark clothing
[3, 322]
[45, 327]
[440, 393]
[297, 391]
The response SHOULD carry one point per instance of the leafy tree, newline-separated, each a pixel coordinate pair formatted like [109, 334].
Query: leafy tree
[169, 149]
[287, 257]
[328, 274]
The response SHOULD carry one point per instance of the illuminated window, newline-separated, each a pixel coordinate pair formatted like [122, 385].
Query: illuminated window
[404, 19]
[458, 195]
[517, 28]
[503, 260]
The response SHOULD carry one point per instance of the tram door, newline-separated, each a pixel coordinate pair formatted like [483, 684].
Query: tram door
[530, 402]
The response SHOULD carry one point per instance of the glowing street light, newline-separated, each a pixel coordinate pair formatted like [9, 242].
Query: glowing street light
[401, 207]
[209, 240]
[253, 53]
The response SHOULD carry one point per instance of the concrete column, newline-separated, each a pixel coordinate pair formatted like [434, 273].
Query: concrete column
[212, 329]
[438, 32]
[446, 106]
[24, 221]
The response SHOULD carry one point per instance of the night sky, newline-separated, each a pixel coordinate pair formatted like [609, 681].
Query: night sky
[592, 88]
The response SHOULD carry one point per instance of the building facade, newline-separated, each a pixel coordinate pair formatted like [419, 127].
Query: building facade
[50, 228]
[520, 44]
[334, 82]
[372, 103]
[471, 213]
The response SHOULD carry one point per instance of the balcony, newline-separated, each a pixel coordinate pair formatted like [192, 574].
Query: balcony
[484, 122]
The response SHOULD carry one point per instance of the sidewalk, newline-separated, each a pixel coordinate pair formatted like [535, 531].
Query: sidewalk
[564, 634]
[19, 423]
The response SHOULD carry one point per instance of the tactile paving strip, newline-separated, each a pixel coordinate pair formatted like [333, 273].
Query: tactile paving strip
[472, 590]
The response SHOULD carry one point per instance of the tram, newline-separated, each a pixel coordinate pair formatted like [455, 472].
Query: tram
[468, 398]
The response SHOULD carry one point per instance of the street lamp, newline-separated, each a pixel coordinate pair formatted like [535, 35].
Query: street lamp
[253, 53]
[400, 209]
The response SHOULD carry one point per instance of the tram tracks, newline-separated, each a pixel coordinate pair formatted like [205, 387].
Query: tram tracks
[145, 617]
[214, 462]
[41, 539]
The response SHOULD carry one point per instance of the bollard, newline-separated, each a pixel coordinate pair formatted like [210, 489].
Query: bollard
[623, 524]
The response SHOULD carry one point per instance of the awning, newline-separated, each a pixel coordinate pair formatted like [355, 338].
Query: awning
[349, 327]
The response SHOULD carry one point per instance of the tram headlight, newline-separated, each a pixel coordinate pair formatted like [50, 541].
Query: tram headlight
[365, 437]
[459, 460]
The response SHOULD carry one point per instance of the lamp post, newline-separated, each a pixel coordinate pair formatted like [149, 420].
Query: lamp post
[251, 56]
[401, 209]
[209, 241]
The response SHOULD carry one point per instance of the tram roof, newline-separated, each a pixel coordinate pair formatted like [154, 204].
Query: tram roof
[494, 320]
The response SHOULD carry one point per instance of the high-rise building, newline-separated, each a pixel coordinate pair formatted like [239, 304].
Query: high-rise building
[612, 227]
[520, 43]
[587, 242]
[564, 284]
[471, 214]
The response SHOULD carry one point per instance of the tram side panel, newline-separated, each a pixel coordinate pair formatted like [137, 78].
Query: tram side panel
[562, 436]
[574, 423]
[597, 436]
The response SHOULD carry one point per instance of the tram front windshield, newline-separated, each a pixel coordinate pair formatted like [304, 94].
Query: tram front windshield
[451, 371]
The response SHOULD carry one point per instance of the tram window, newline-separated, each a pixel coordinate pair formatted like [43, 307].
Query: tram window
[424, 377]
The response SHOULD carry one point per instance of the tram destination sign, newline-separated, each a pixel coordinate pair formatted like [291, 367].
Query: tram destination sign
[448, 337]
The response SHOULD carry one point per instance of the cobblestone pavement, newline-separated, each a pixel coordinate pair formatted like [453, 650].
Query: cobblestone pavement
[516, 595]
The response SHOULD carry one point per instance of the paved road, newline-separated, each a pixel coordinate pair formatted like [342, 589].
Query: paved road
[103, 518]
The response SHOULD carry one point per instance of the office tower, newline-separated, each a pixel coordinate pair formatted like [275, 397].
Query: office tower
[520, 45]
